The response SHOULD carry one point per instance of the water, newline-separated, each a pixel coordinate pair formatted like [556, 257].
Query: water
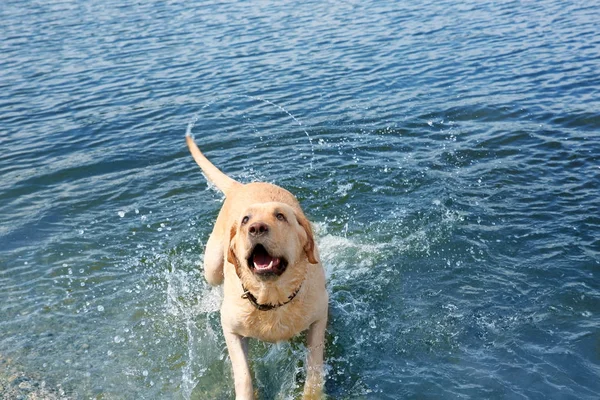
[447, 152]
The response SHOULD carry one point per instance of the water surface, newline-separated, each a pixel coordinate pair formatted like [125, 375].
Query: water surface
[448, 154]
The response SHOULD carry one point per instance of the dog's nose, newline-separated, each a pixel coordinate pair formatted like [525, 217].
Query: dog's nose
[258, 229]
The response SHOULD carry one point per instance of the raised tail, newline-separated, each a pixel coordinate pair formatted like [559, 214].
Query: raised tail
[213, 174]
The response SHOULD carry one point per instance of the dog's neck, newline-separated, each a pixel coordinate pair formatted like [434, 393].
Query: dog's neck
[267, 307]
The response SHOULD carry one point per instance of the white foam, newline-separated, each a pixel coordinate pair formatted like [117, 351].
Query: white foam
[348, 258]
[343, 190]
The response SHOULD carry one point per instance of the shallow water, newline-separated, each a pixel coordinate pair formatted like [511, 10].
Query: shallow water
[448, 154]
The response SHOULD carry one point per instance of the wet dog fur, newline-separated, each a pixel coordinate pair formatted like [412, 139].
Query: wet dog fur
[263, 251]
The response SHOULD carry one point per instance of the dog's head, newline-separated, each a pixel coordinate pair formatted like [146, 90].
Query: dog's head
[270, 239]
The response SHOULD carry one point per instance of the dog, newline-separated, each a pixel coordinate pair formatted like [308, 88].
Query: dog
[263, 251]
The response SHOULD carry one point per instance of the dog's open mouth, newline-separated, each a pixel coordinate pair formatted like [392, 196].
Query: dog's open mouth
[262, 263]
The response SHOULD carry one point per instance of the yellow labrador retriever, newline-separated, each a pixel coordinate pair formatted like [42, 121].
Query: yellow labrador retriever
[262, 249]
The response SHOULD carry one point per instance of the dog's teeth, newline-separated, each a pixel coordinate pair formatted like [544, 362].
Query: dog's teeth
[262, 266]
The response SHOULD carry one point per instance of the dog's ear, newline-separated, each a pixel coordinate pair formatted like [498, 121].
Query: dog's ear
[309, 246]
[230, 253]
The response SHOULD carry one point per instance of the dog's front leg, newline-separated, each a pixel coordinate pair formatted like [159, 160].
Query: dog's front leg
[313, 388]
[213, 260]
[238, 353]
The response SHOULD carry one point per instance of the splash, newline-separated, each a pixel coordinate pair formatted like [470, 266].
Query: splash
[190, 300]
[195, 118]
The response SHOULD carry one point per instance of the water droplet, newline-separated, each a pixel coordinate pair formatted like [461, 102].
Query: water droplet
[145, 373]
[101, 308]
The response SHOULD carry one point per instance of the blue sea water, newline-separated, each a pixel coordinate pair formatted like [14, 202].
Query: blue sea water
[447, 152]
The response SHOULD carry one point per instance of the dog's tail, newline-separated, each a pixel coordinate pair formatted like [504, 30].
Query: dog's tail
[213, 174]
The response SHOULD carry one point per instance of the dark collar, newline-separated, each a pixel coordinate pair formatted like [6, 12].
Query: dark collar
[267, 307]
[252, 299]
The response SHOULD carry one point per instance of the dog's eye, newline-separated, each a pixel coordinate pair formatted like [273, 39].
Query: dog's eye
[280, 217]
[245, 220]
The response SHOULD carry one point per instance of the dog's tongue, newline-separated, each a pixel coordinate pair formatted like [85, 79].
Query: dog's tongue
[263, 261]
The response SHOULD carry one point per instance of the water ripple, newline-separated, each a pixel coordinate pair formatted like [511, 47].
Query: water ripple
[446, 151]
